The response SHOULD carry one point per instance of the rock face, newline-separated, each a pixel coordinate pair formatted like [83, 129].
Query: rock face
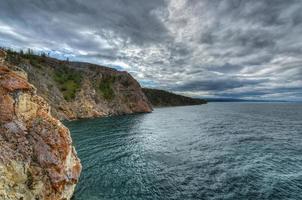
[37, 159]
[77, 90]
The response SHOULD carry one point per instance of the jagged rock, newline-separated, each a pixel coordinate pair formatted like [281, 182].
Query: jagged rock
[37, 159]
[78, 90]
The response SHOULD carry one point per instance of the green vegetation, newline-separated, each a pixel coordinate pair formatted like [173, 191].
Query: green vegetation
[16, 57]
[68, 80]
[105, 87]
[12, 57]
[161, 98]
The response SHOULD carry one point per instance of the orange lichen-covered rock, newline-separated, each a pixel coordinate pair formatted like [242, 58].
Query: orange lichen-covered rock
[37, 159]
[12, 81]
[6, 107]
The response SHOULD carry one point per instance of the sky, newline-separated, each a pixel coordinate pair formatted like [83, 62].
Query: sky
[250, 49]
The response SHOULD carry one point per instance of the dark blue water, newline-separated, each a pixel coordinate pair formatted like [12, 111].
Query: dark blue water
[215, 151]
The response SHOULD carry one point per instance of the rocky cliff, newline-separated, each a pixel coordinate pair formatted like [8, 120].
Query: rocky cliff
[37, 159]
[161, 98]
[77, 90]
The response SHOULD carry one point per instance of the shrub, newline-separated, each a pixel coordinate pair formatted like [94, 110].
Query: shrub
[69, 81]
[105, 87]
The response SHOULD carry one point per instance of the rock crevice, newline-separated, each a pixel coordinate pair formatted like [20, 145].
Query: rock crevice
[37, 159]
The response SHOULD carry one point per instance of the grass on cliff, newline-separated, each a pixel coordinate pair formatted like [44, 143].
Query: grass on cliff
[17, 57]
[105, 87]
[69, 82]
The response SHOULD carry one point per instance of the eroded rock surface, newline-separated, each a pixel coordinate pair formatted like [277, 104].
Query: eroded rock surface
[37, 159]
[78, 90]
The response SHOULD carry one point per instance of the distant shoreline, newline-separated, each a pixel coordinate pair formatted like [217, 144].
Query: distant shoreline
[247, 100]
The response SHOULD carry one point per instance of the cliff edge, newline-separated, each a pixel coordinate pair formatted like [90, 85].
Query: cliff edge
[37, 159]
[78, 90]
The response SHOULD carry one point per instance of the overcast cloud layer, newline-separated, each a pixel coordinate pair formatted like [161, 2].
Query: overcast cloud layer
[202, 48]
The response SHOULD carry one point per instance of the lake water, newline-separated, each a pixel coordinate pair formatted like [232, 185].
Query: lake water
[214, 151]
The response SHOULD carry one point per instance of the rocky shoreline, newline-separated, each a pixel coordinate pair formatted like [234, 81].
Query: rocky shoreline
[37, 159]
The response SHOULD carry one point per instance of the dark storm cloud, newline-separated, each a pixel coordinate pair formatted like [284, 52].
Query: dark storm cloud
[79, 23]
[216, 85]
[231, 48]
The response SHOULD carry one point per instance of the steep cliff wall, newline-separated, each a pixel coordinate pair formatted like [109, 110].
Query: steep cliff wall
[161, 98]
[37, 159]
[81, 90]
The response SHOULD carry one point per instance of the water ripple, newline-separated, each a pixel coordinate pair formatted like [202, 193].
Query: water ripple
[217, 151]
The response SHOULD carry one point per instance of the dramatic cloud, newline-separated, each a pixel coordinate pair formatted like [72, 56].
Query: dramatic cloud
[212, 48]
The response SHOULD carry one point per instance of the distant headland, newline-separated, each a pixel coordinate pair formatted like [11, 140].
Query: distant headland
[162, 98]
[78, 90]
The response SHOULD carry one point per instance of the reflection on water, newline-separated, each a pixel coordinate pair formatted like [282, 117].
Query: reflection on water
[214, 151]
